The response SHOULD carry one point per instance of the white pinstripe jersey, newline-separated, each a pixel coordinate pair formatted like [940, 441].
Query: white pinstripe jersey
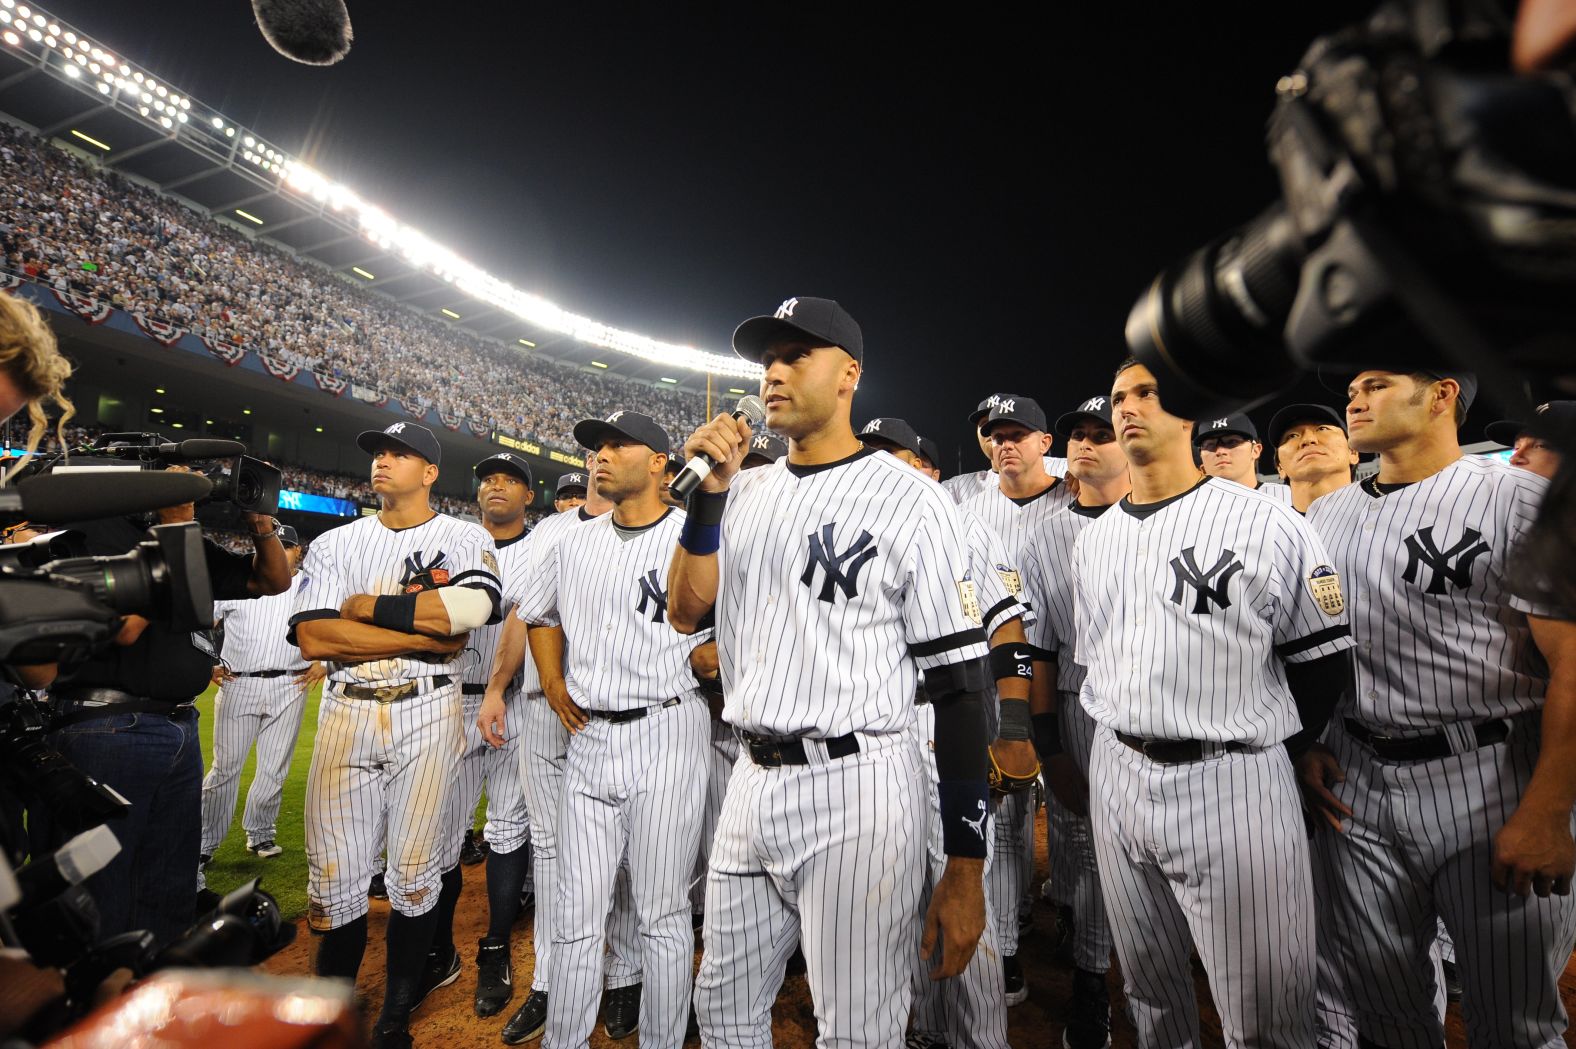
[837, 585]
[512, 557]
[1048, 586]
[1013, 522]
[964, 486]
[1440, 639]
[1279, 492]
[609, 588]
[1186, 614]
[255, 632]
[367, 557]
[536, 541]
[997, 587]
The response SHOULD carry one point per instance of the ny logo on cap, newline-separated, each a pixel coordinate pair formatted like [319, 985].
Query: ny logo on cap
[1540, 409]
[1093, 404]
[873, 426]
[574, 478]
[993, 400]
[762, 441]
[396, 428]
[615, 416]
[1220, 424]
[1004, 405]
[786, 309]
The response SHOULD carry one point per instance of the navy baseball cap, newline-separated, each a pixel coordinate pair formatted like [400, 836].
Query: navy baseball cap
[413, 436]
[819, 321]
[1468, 381]
[1295, 414]
[977, 416]
[930, 451]
[288, 536]
[1097, 408]
[1548, 420]
[571, 480]
[1010, 408]
[1236, 423]
[508, 462]
[675, 464]
[637, 426]
[767, 447]
[891, 431]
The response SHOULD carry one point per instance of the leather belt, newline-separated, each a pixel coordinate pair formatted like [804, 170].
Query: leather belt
[1175, 751]
[110, 702]
[473, 690]
[1424, 748]
[772, 752]
[390, 693]
[263, 673]
[619, 717]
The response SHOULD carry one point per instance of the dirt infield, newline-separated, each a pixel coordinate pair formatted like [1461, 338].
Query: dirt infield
[447, 1020]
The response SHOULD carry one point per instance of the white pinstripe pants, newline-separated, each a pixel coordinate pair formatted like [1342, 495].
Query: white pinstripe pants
[544, 743]
[247, 710]
[1075, 874]
[1420, 845]
[636, 787]
[721, 756]
[822, 856]
[379, 769]
[499, 769]
[1012, 870]
[1212, 853]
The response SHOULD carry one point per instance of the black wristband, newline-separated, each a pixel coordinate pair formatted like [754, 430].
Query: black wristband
[1047, 736]
[705, 508]
[964, 807]
[395, 612]
[1012, 661]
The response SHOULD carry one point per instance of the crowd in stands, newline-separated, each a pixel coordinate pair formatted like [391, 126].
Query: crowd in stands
[75, 227]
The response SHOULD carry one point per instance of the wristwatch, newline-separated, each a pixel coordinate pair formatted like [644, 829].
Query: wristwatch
[273, 530]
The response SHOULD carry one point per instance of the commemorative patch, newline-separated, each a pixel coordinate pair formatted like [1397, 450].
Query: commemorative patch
[490, 561]
[1325, 586]
[968, 597]
[1011, 580]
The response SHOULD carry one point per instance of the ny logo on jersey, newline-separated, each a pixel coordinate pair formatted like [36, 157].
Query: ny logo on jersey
[1420, 548]
[653, 596]
[842, 569]
[786, 309]
[1093, 404]
[424, 573]
[1188, 574]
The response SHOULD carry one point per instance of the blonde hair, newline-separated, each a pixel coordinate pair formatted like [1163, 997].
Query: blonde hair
[30, 357]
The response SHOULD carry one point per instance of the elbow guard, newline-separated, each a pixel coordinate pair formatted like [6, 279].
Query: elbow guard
[468, 607]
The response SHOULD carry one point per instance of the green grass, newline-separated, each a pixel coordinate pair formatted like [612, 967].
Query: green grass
[284, 876]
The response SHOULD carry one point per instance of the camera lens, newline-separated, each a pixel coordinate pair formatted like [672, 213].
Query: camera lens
[1210, 328]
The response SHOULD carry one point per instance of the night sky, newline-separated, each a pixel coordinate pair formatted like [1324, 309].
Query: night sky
[987, 196]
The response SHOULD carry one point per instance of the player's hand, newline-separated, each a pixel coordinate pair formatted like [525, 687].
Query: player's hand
[1534, 853]
[956, 918]
[490, 719]
[358, 608]
[220, 675]
[314, 672]
[1317, 771]
[1067, 783]
[725, 439]
[1016, 767]
[569, 713]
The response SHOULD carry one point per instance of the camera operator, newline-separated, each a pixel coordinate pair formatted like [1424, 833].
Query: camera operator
[126, 717]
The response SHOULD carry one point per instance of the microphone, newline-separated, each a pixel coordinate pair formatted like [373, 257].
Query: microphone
[91, 494]
[73, 863]
[699, 468]
[313, 32]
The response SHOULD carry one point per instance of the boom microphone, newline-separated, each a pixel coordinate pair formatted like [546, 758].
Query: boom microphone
[91, 494]
[699, 468]
[313, 32]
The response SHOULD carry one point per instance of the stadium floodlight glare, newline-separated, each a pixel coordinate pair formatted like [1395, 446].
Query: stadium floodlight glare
[449, 313]
[90, 140]
[248, 216]
[735, 389]
[361, 272]
[526, 343]
[666, 379]
[598, 364]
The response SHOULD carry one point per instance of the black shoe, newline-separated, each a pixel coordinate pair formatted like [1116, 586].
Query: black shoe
[440, 972]
[1017, 990]
[528, 1021]
[1452, 980]
[494, 977]
[1088, 1013]
[377, 890]
[390, 1038]
[206, 901]
[621, 1011]
[471, 853]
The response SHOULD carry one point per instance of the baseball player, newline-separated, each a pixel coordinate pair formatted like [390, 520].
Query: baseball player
[670, 470]
[387, 601]
[638, 737]
[1229, 448]
[1532, 442]
[544, 743]
[1448, 781]
[1312, 454]
[963, 486]
[929, 462]
[1063, 730]
[504, 492]
[970, 1009]
[1215, 641]
[263, 682]
[765, 448]
[837, 582]
[1025, 495]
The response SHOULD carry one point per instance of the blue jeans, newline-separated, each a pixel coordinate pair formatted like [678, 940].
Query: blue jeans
[155, 762]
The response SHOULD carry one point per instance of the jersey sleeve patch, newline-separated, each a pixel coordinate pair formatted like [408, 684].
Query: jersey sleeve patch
[491, 562]
[1012, 580]
[968, 599]
[1325, 585]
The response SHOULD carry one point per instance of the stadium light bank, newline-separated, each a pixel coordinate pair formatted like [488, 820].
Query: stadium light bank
[72, 57]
